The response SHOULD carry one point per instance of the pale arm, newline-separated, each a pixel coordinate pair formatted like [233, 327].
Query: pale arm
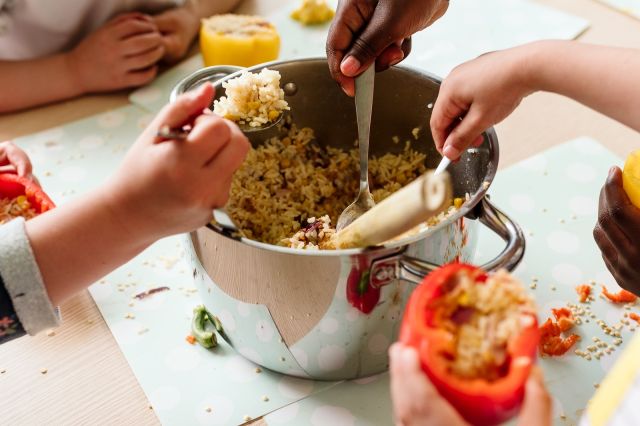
[35, 82]
[77, 243]
[481, 93]
[605, 79]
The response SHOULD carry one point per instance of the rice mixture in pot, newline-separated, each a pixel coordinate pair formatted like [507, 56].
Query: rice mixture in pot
[290, 190]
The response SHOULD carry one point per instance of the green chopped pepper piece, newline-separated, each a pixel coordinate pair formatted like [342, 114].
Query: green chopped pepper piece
[205, 337]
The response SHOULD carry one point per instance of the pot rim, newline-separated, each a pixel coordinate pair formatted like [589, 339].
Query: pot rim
[468, 206]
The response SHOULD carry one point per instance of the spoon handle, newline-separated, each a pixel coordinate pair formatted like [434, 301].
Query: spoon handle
[364, 105]
[402, 211]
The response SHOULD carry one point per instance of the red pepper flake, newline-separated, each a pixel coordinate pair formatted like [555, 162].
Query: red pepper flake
[551, 340]
[564, 317]
[584, 291]
[623, 296]
[634, 317]
[190, 339]
[148, 293]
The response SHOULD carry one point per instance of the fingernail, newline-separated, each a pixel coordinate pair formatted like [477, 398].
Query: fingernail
[397, 58]
[451, 152]
[350, 66]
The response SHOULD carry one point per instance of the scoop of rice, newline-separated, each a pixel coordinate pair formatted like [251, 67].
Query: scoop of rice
[253, 99]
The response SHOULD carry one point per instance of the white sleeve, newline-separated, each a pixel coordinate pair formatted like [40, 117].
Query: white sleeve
[23, 281]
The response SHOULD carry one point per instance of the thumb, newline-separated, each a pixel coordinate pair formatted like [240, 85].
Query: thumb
[537, 408]
[188, 106]
[376, 37]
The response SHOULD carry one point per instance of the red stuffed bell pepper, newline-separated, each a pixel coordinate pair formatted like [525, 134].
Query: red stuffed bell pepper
[477, 337]
[24, 196]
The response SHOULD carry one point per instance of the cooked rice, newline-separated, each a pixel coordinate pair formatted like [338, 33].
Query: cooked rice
[253, 99]
[482, 319]
[11, 208]
[288, 180]
[315, 235]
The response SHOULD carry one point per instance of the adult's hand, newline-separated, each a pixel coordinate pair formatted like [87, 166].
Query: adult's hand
[365, 31]
[617, 233]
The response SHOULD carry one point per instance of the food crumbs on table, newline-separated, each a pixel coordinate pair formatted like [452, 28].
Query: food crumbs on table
[44, 371]
[190, 339]
[3, 370]
[283, 359]
[596, 385]
[395, 140]
[416, 133]
[561, 221]
[142, 331]
[265, 398]
[258, 370]
[51, 333]
[247, 418]
[208, 409]
[89, 321]
[131, 304]
[129, 316]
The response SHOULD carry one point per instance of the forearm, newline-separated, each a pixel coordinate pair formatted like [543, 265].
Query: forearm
[77, 243]
[25, 84]
[602, 78]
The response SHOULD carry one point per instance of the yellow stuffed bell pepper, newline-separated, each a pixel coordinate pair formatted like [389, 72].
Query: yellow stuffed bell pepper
[240, 40]
[631, 177]
[313, 12]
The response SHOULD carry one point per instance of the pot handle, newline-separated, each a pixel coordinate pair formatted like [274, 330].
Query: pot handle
[414, 270]
[211, 74]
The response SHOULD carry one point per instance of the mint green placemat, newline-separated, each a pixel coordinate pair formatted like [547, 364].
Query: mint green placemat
[553, 196]
[468, 29]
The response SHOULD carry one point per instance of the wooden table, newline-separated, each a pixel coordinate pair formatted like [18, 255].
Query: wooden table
[89, 380]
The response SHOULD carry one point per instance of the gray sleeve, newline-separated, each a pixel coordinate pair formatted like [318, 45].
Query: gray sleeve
[23, 281]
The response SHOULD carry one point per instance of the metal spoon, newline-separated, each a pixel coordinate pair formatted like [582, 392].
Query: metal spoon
[444, 163]
[364, 103]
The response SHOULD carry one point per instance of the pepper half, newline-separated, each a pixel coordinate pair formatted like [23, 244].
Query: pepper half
[12, 186]
[480, 401]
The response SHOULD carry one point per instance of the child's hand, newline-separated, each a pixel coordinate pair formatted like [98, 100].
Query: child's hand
[617, 233]
[482, 92]
[122, 53]
[178, 27]
[14, 160]
[417, 402]
[168, 187]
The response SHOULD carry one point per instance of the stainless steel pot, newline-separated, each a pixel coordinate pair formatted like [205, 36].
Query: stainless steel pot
[332, 314]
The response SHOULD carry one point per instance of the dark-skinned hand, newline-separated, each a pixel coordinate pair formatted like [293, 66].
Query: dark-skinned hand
[364, 31]
[618, 231]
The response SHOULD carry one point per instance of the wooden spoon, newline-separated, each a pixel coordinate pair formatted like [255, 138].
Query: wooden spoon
[425, 197]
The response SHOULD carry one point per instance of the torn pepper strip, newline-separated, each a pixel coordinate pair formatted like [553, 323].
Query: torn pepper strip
[623, 296]
[476, 335]
[552, 342]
